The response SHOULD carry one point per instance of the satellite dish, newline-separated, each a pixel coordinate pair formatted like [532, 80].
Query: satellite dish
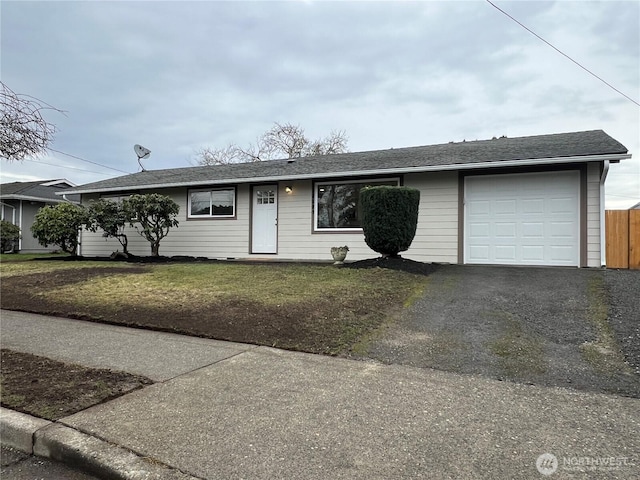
[142, 153]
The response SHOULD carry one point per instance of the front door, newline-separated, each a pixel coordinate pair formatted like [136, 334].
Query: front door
[264, 222]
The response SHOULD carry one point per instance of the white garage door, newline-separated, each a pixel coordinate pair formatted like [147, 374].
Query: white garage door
[523, 219]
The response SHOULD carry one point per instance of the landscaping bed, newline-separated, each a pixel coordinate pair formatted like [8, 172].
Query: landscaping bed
[53, 390]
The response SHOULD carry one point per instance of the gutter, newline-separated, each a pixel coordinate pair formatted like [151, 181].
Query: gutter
[358, 173]
[38, 199]
[603, 222]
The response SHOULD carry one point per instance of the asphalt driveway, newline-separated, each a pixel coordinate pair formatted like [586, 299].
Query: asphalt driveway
[577, 328]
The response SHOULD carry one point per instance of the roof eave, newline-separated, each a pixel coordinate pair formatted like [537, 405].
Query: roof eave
[358, 173]
[35, 199]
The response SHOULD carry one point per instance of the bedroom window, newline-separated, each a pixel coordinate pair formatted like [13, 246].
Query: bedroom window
[212, 203]
[337, 203]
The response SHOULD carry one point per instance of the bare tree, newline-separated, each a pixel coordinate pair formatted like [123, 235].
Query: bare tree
[280, 141]
[23, 130]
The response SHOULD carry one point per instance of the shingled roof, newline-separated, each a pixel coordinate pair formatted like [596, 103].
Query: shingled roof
[542, 149]
[40, 190]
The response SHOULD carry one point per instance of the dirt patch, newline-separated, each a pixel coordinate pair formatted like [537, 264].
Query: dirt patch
[53, 390]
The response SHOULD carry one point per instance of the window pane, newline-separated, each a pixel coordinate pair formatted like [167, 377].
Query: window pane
[200, 203]
[338, 204]
[222, 202]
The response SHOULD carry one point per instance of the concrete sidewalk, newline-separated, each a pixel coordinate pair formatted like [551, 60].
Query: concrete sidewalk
[238, 411]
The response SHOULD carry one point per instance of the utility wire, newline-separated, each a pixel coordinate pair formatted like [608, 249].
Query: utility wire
[62, 166]
[562, 53]
[88, 161]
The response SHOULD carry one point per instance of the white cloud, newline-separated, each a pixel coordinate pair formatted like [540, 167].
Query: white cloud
[176, 76]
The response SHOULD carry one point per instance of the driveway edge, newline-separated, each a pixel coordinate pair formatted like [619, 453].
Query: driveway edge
[79, 450]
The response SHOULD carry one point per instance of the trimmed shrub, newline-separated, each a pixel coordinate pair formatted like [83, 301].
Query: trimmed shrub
[9, 236]
[389, 218]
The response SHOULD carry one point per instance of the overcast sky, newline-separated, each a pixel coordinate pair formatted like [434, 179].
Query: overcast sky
[179, 76]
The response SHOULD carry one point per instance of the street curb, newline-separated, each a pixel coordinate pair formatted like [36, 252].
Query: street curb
[17, 429]
[79, 450]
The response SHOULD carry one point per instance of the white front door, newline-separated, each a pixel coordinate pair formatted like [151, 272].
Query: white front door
[264, 222]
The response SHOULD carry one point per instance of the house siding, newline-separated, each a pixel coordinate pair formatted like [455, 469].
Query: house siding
[593, 215]
[28, 244]
[25, 212]
[436, 240]
[436, 237]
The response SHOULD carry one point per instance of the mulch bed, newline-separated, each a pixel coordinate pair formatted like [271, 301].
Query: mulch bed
[395, 263]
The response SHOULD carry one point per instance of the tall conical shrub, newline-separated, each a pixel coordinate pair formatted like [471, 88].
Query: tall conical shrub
[389, 218]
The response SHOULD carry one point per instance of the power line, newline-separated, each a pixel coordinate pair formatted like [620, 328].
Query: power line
[62, 166]
[88, 161]
[562, 53]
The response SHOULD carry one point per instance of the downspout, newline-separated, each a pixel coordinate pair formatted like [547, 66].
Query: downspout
[603, 238]
[20, 239]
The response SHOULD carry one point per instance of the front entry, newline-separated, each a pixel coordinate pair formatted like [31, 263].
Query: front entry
[264, 221]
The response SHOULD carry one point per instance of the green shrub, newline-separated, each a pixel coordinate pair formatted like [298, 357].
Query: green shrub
[9, 236]
[59, 225]
[156, 215]
[389, 218]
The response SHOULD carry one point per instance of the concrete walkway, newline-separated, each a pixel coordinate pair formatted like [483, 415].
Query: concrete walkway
[226, 411]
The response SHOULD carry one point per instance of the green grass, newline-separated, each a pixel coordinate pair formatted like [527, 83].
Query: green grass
[603, 353]
[317, 308]
[24, 257]
[267, 284]
[28, 266]
[519, 352]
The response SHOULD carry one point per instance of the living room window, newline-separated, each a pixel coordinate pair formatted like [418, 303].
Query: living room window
[212, 203]
[337, 205]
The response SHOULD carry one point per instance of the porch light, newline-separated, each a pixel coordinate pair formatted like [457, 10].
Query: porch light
[288, 189]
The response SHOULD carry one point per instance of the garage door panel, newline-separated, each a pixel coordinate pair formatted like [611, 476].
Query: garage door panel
[561, 254]
[523, 218]
[533, 230]
[533, 253]
[505, 230]
[532, 206]
[505, 207]
[506, 253]
[560, 230]
[479, 254]
[480, 207]
[561, 206]
[479, 230]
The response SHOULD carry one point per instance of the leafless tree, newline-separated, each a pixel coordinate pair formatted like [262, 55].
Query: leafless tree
[23, 130]
[280, 141]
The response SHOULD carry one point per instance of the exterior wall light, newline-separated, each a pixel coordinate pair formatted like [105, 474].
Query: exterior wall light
[288, 189]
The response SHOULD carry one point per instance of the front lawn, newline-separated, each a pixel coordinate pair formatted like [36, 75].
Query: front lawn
[313, 308]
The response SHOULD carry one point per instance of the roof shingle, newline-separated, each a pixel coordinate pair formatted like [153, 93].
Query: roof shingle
[576, 144]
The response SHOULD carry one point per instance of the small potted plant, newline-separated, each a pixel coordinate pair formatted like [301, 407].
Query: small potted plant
[339, 254]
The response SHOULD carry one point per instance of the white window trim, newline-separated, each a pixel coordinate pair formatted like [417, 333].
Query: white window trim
[195, 190]
[341, 182]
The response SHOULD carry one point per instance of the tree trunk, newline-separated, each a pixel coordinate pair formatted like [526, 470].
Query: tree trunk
[155, 248]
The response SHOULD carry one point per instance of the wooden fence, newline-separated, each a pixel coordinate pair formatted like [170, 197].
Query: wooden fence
[623, 238]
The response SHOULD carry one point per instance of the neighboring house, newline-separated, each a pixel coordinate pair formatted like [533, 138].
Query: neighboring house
[522, 201]
[635, 207]
[20, 201]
